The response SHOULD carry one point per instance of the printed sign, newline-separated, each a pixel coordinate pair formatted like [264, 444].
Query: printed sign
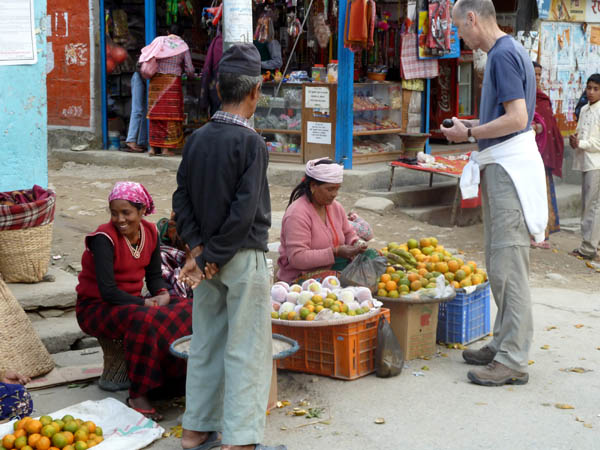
[318, 133]
[237, 18]
[317, 97]
[17, 33]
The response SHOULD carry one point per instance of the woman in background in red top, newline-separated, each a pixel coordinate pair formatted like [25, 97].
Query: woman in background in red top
[552, 149]
[117, 258]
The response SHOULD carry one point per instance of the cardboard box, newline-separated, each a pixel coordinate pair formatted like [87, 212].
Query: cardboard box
[415, 326]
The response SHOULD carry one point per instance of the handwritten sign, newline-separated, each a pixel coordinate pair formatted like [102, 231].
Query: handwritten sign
[237, 18]
[317, 97]
[17, 33]
[318, 133]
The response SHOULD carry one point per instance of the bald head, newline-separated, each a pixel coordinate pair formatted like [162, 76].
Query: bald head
[483, 8]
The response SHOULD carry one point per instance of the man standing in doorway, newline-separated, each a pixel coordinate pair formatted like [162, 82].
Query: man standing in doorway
[223, 212]
[513, 188]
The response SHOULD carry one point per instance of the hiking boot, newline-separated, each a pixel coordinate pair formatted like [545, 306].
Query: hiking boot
[497, 374]
[479, 357]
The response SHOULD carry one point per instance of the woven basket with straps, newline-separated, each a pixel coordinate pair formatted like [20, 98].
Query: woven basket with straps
[21, 349]
[25, 253]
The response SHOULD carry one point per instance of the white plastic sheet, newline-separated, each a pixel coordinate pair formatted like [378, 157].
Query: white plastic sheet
[123, 427]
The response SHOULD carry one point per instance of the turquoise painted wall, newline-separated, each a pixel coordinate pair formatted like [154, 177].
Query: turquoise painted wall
[23, 117]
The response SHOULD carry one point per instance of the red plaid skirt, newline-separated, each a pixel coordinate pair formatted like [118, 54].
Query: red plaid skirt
[147, 332]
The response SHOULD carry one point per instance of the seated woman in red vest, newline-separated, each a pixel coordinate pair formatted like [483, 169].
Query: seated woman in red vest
[117, 258]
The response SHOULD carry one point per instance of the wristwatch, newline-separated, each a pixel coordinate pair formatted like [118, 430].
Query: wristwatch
[470, 137]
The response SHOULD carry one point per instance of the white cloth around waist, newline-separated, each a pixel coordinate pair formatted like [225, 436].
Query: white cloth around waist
[520, 157]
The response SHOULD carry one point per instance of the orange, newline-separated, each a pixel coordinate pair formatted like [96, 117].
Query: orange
[415, 285]
[467, 269]
[310, 308]
[81, 445]
[311, 316]
[415, 251]
[33, 426]
[420, 257]
[69, 436]
[54, 448]
[425, 242]
[33, 439]
[476, 279]
[449, 276]
[49, 430]
[453, 265]
[79, 422]
[441, 267]
[27, 447]
[423, 272]
[60, 440]
[83, 435]
[472, 263]
[412, 276]
[382, 293]
[391, 286]
[69, 447]
[396, 277]
[466, 282]
[20, 432]
[389, 269]
[99, 432]
[43, 443]
[385, 277]
[71, 426]
[430, 266]
[435, 258]
[57, 425]
[21, 423]
[456, 284]
[421, 265]
[381, 285]
[460, 275]
[9, 441]
[20, 442]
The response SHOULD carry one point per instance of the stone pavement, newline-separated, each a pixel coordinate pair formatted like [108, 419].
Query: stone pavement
[431, 405]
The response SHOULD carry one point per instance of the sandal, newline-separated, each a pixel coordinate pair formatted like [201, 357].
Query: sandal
[544, 245]
[166, 152]
[151, 413]
[577, 254]
[213, 440]
[132, 147]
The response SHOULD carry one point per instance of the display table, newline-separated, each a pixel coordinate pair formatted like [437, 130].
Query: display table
[451, 168]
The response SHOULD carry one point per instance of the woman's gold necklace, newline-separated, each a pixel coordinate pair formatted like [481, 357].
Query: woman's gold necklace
[137, 252]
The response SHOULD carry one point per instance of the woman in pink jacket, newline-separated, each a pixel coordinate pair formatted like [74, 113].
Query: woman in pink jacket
[316, 238]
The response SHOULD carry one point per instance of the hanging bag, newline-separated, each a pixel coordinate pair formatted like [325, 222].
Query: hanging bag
[149, 68]
[389, 357]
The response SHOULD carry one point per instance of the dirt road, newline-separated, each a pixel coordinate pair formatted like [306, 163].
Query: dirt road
[82, 192]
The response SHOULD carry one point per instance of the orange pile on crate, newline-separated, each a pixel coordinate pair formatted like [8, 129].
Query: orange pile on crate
[415, 264]
[47, 433]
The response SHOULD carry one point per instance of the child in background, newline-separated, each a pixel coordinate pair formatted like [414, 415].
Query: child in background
[586, 142]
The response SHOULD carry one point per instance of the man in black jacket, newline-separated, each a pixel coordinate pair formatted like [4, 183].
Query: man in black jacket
[223, 212]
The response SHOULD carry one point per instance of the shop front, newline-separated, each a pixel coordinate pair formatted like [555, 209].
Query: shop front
[341, 79]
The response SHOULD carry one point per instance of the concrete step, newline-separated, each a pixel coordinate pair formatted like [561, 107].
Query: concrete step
[85, 357]
[568, 197]
[58, 294]
[440, 215]
[418, 195]
[59, 334]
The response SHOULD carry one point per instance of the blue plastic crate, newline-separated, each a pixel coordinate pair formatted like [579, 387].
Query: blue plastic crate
[466, 318]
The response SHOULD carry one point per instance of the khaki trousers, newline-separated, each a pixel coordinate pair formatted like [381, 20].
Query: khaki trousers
[230, 360]
[507, 260]
[590, 214]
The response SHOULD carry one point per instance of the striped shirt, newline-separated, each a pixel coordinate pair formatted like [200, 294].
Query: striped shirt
[174, 65]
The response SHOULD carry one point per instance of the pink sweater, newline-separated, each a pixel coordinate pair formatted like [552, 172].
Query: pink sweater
[306, 242]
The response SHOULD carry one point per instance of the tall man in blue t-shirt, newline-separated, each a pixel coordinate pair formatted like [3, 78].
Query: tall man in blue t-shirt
[506, 112]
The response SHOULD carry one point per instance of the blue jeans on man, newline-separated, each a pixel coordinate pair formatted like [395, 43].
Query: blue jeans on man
[138, 124]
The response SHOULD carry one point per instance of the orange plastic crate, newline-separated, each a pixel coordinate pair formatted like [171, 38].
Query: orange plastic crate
[345, 351]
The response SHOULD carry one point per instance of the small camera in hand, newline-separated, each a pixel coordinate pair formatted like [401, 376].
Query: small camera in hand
[448, 123]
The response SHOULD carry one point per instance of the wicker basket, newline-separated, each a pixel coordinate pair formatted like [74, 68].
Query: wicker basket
[114, 375]
[25, 253]
[21, 349]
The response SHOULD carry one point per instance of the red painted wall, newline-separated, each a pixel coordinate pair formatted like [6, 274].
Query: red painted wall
[68, 83]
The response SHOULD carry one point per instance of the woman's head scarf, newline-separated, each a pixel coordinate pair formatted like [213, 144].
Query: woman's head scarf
[133, 192]
[327, 173]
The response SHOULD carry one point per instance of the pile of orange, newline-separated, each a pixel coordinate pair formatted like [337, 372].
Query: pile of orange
[47, 433]
[432, 260]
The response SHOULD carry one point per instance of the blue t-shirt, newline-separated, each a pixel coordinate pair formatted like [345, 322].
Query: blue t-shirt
[509, 75]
